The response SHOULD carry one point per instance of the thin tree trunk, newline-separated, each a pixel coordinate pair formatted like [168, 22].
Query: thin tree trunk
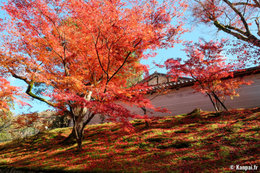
[222, 104]
[220, 108]
[147, 125]
[144, 109]
[214, 105]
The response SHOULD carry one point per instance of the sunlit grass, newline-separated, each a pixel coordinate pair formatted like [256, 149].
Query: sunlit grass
[196, 142]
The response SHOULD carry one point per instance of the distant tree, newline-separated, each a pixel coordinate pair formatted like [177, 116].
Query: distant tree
[84, 52]
[27, 125]
[5, 125]
[207, 66]
[7, 98]
[7, 93]
[60, 121]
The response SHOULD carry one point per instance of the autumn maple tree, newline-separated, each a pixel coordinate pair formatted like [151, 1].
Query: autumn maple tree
[213, 76]
[80, 54]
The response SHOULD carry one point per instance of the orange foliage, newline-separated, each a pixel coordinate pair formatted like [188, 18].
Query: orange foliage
[84, 51]
[7, 93]
[79, 46]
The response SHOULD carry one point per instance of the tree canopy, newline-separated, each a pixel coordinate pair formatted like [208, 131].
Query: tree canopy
[83, 52]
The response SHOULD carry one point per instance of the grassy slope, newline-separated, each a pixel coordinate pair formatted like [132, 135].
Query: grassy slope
[208, 142]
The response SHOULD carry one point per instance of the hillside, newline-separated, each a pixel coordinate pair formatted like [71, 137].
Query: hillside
[195, 142]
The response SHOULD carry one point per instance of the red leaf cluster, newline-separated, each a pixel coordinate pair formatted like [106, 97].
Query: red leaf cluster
[207, 65]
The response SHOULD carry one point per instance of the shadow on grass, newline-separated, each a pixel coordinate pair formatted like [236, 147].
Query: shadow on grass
[204, 142]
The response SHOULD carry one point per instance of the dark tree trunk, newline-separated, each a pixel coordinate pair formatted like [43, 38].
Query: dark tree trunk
[214, 104]
[78, 129]
[77, 133]
[147, 125]
[81, 116]
[218, 100]
[144, 109]
[79, 123]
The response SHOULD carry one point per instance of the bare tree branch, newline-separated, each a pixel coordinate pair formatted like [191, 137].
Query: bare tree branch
[240, 15]
[127, 56]
[245, 3]
[29, 89]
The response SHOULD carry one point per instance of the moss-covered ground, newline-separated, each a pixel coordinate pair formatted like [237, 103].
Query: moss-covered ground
[196, 142]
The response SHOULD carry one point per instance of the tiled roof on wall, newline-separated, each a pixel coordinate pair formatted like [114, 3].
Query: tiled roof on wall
[185, 81]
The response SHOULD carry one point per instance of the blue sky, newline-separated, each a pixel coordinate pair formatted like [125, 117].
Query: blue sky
[200, 31]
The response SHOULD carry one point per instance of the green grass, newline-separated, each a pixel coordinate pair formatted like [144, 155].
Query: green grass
[196, 142]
